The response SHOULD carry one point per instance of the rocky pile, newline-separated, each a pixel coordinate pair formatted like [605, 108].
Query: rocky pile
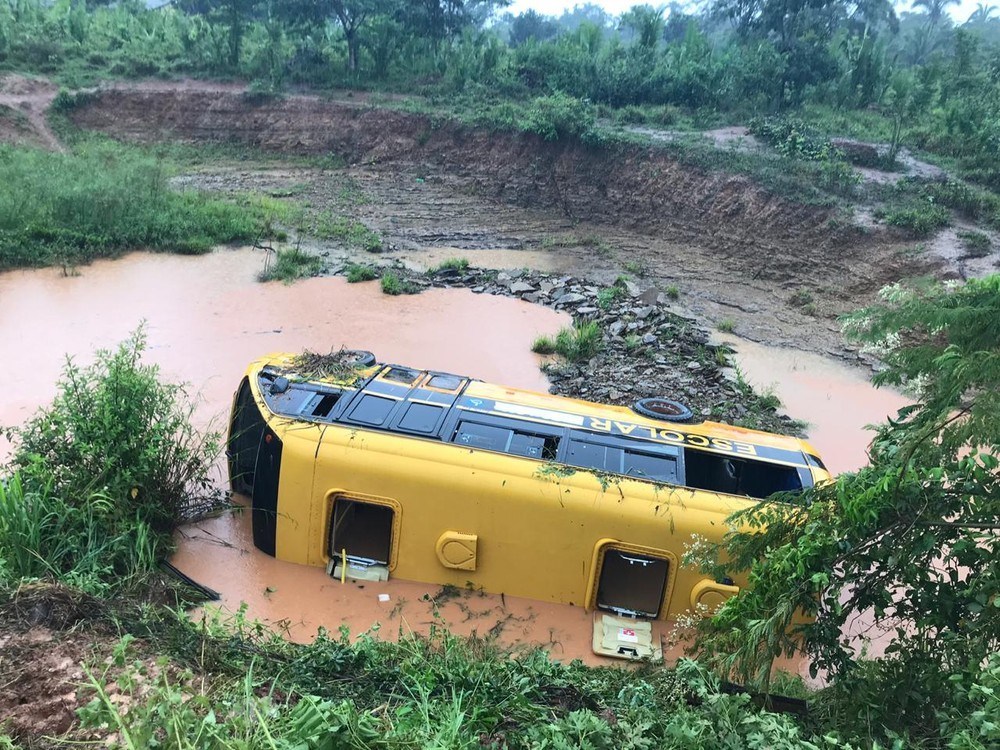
[646, 349]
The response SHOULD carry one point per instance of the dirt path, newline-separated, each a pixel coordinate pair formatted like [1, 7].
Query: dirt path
[26, 102]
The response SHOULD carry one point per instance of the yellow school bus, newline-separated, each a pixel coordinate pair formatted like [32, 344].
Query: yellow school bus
[386, 470]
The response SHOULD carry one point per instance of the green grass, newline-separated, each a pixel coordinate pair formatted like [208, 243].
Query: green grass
[727, 325]
[543, 345]
[393, 284]
[351, 232]
[356, 272]
[672, 292]
[579, 342]
[290, 265]
[917, 218]
[609, 295]
[451, 264]
[976, 244]
[105, 200]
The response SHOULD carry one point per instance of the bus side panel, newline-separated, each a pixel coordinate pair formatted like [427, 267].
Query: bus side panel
[536, 531]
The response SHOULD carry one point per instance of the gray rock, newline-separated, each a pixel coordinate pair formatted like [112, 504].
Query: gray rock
[644, 312]
[519, 287]
[650, 297]
[570, 298]
[649, 338]
[693, 365]
[586, 310]
[616, 328]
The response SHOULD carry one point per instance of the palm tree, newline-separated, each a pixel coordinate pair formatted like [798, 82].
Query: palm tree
[983, 13]
[935, 9]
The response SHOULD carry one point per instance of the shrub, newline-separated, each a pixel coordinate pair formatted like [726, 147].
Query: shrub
[290, 265]
[356, 272]
[104, 473]
[919, 219]
[392, 284]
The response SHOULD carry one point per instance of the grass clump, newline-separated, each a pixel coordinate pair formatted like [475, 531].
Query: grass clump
[919, 219]
[102, 201]
[356, 272]
[543, 345]
[727, 325]
[351, 232]
[290, 265]
[451, 264]
[103, 475]
[609, 295]
[976, 244]
[393, 284]
[579, 342]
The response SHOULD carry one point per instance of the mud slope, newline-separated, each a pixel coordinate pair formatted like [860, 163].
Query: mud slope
[638, 188]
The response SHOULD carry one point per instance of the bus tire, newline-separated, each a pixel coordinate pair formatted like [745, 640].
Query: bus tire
[663, 409]
[358, 357]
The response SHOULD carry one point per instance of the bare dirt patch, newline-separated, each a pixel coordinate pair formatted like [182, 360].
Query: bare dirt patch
[23, 105]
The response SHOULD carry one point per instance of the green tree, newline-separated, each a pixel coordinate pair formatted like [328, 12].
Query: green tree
[910, 540]
[646, 23]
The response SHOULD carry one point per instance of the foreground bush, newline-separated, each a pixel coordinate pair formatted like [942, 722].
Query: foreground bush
[436, 692]
[103, 475]
[72, 208]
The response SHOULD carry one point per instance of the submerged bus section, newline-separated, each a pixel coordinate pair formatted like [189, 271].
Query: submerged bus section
[384, 470]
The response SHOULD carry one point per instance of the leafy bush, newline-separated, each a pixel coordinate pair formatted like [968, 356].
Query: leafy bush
[910, 538]
[114, 428]
[393, 284]
[356, 273]
[290, 265]
[104, 474]
[919, 219]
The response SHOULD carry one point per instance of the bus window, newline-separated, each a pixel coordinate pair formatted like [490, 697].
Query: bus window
[735, 476]
[594, 456]
[505, 439]
[650, 466]
[363, 529]
[422, 418]
[632, 584]
[373, 410]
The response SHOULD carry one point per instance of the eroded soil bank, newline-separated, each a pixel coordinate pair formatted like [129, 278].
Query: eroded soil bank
[737, 252]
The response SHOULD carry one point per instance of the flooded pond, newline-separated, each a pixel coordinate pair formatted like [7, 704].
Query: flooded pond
[207, 317]
[836, 401]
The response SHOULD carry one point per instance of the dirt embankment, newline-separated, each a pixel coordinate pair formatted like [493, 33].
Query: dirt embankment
[639, 188]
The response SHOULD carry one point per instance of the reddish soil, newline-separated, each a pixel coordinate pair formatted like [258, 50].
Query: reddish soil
[23, 106]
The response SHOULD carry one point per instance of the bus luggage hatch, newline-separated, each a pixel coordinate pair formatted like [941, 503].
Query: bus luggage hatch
[361, 536]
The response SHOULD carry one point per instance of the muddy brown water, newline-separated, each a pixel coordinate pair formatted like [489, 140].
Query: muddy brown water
[836, 401]
[207, 317]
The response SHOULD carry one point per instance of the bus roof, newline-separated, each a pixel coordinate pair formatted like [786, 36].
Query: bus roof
[516, 403]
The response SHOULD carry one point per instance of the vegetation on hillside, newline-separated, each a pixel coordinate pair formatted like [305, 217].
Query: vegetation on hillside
[105, 199]
[909, 543]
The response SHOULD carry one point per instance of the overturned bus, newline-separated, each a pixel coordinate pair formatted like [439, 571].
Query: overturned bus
[384, 470]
